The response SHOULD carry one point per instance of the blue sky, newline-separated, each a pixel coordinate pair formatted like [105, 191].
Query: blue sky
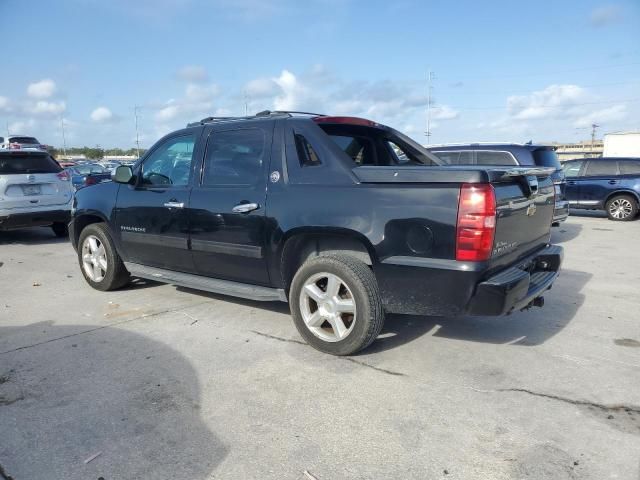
[504, 70]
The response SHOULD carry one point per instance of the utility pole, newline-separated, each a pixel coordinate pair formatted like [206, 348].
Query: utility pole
[64, 138]
[135, 113]
[429, 102]
[593, 138]
[246, 104]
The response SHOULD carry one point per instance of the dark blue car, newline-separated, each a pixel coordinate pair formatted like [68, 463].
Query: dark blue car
[609, 184]
[86, 174]
[500, 154]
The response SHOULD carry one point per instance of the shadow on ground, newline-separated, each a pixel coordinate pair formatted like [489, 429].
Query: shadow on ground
[31, 236]
[528, 328]
[133, 400]
[565, 232]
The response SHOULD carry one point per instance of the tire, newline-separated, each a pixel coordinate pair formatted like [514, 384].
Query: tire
[60, 229]
[621, 208]
[328, 324]
[115, 275]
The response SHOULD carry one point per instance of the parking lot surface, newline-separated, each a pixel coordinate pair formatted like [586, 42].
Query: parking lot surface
[157, 382]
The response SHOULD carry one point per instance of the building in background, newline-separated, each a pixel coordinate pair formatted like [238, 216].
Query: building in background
[586, 149]
[622, 144]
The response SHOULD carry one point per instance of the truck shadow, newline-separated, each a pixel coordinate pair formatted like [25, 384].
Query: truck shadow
[565, 232]
[134, 401]
[31, 236]
[528, 328]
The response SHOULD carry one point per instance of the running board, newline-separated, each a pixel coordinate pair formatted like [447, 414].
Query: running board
[213, 285]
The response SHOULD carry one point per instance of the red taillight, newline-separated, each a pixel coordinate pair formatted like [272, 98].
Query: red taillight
[15, 146]
[476, 222]
[63, 175]
[91, 180]
[346, 120]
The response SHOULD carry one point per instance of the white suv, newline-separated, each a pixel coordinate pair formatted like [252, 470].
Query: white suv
[18, 142]
[34, 191]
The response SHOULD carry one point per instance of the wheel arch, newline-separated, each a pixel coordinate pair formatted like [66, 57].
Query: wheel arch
[617, 193]
[301, 244]
[81, 221]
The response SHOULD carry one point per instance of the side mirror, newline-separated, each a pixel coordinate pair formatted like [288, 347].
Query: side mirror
[123, 174]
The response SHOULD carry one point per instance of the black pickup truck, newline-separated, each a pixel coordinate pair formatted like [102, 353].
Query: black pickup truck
[342, 217]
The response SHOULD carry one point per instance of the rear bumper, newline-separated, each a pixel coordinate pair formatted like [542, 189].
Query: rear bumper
[517, 287]
[423, 286]
[13, 221]
[561, 211]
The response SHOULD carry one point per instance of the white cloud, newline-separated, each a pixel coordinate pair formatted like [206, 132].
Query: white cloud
[291, 92]
[22, 127]
[46, 108]
[198, 101]
[261, 88]
[545, 102]
[42, 89]
[4, 104]
[193, 74]
[605, 115]
[101, 115]
[444, 112]
[605, 15]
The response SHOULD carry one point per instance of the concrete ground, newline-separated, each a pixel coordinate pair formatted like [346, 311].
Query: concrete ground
[161, 382]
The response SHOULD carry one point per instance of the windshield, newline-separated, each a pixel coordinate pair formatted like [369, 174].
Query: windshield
[15, 163]
[87, 169]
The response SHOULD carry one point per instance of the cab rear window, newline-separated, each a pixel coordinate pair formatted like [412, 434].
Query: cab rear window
[23, 162]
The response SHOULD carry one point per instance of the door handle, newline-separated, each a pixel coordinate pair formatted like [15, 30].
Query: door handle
[613, 182]
[571, 182]
[174, 205]
[245, 208]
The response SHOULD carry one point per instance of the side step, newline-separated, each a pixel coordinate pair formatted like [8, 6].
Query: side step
[213, 285]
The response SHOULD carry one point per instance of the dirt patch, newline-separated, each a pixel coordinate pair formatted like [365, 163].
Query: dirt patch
[627, 342]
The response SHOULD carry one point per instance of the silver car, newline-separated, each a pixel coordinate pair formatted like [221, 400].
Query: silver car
[20, 142]
[34, 191]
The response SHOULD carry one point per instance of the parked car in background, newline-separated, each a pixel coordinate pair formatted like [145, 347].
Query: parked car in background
[111, 166]
[609, 184]
[34, 191]
[502, 154]
[18, 142]
[85, 174]
[342, 217]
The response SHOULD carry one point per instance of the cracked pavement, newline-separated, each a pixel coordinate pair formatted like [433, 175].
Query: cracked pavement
[166, 382]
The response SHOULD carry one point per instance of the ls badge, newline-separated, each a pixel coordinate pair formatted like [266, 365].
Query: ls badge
[531, 209]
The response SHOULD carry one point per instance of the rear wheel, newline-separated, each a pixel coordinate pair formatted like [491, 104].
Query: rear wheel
[336, 304]
[60, 229]
[622, 208]
[99, 261]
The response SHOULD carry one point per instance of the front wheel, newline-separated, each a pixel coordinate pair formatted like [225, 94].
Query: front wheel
[336, 304]
[100, 263]
[622, 208]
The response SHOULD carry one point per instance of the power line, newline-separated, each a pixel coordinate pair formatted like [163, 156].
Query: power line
[566, 105]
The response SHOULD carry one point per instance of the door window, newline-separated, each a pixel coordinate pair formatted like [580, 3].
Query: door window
[597, 168]
[234, 157]
[629, 167]
[170, 163]
[572, 169]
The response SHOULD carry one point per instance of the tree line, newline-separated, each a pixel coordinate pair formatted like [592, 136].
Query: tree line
[94, 153]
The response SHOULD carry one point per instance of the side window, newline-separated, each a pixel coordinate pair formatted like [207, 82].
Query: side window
[360, 149]
[465, 158]
[398, 154]
[307, 155]
[598, 168]
[629, 167]
[170, 163]
[572, 169]
[494, 158]
[234, 157]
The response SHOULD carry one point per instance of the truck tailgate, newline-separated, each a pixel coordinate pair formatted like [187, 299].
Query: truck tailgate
[524, 213]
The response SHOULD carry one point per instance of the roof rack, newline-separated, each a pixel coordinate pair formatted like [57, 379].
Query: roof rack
[263, 114]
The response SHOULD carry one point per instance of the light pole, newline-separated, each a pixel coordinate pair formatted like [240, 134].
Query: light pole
[135, 113]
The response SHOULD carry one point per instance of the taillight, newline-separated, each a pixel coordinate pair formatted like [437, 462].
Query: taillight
[476, 222]
[91, 180]
[15, 146]
[63, 175]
